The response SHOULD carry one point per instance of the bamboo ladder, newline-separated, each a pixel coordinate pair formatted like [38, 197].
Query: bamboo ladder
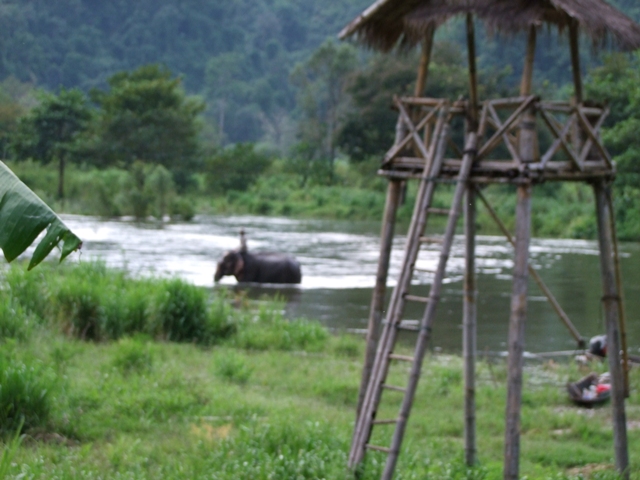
[393, 325]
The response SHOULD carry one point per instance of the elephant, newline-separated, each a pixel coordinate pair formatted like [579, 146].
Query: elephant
[258, 267]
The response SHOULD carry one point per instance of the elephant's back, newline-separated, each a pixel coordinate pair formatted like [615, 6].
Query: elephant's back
[277, 268]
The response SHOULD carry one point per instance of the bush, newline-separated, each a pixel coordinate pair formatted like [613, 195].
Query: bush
[92, 302]
[25, 395]
[232, 367]
[269, 330]
[14, 321]
[221, 321]
[79, 309]
[133, 355]
[182, 208]
[160, 189]
[28, 289]
[181, 312]
[235, 168]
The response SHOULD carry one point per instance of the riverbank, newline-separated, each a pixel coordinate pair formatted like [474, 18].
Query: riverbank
[261, 398]
[559, 210]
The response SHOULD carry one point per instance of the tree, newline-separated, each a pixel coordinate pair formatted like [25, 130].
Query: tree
[146, 116]
[321, 81]
[235, 168]
[617, 83]
[23, 216]
[51, 131]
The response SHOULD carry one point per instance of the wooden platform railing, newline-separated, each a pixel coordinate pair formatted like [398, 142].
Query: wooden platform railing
[572, 129]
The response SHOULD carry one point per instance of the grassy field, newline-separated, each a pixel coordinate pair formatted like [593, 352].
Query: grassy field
[250, 396]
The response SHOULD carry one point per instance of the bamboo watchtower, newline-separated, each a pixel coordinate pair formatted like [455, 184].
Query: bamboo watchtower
[502, 144]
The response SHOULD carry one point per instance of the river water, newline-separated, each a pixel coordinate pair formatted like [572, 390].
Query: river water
[339, 261]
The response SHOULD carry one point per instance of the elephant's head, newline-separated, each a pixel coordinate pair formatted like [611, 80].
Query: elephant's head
[231, 264]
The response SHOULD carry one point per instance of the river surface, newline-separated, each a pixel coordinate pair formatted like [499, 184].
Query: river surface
[339, 261]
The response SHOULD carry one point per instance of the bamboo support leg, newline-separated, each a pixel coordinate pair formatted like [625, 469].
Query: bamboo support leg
[516, 333]
[610, 301]
[377, 302]
[469, 328]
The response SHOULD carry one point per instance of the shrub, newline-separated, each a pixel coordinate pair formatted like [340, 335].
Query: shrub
[269, 330]
[133, 355]
[28, 288]
[182, 208]
[235, 168]
[232, 367]
[181, 312]
[160, 190]
[14, 321]
[221, 321]
[25, 395]
[78, 307]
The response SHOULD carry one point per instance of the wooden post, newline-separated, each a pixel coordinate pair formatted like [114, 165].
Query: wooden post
[623, 317]
[421, 82]
[612, 315]
[528, 135]
[575, 60]
[469, 328]
[526, 149]
[473, 81]
[577, 80]
[425, 59]
[377, 301]
[516, 332]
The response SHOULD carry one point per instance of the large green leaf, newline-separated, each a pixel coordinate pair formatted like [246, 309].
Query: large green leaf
[23, 216]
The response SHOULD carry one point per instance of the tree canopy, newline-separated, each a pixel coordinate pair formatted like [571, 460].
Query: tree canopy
[145, 115]
[51, 130]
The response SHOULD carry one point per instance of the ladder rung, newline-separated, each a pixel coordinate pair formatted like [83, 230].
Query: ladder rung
[403, 358]
[377, 448]
[394, 388]
[431, 240]
[415, 298]
[388, 421]
[410, 327]
[425, 270]
[438, 211]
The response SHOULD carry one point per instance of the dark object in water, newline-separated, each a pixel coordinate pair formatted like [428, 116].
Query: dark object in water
[591, 390]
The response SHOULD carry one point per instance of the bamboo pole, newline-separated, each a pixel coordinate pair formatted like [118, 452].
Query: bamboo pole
[527, 147]
[516, 332]
[425, 60]
[469, 346]
[623, 316]
[528, 134]
[575, 60]
[473, 80]
[527, 71]
[421, 80]
[610, 300]
[545, 290]
[377, 301]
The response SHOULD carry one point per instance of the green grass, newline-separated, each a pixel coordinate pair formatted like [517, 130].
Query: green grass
[269, 399]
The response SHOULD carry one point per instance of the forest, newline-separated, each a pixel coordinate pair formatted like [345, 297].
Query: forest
[213, 103]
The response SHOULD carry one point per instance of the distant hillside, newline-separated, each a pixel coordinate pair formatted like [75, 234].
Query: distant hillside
[237, 53]
[81, 42]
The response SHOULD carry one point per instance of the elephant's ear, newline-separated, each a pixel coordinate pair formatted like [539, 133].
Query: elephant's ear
[239, 267]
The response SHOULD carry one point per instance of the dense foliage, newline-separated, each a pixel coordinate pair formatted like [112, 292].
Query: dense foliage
[238, 55]
[146, 116]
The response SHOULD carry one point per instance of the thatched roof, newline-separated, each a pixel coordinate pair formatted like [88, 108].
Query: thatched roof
[388, 23]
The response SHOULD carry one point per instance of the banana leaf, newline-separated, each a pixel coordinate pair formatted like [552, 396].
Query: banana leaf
[23, 216]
